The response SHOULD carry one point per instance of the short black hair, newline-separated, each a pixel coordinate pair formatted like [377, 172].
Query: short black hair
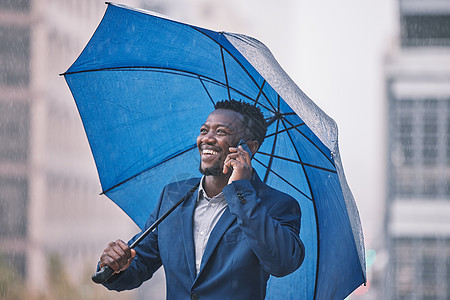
[253, 118]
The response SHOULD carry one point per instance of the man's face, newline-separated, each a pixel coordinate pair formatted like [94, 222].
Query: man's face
[223, 129]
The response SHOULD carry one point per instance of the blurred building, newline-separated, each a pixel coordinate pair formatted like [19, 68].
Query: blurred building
[49, 203]
[418, 205]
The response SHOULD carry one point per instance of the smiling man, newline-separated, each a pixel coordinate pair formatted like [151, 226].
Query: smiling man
[230, 235]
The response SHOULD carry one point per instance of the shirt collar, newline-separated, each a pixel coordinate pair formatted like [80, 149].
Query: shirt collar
[202, 194]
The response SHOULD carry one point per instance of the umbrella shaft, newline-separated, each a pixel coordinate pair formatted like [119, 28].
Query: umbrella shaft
[160, 219]
[106, 272]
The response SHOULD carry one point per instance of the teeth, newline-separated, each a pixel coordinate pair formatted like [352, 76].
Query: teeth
[208, 151]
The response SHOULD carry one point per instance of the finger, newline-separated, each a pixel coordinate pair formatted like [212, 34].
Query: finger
[106, 259]
[226, 166]
[119, 256]
[229, 163]
[125, 248]
[232, 149]
[245, 154]
[239, 152]
[238, 157]
[114, 256]
[126, 260]
[130, 260]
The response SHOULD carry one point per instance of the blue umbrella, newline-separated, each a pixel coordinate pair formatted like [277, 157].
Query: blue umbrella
[143, 86]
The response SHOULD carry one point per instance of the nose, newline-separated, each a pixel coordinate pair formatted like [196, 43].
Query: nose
[208, 138]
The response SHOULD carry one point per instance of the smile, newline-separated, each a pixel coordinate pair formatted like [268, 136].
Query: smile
[209, 152]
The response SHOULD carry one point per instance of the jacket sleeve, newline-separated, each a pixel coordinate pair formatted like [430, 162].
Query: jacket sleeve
[146, 262]
[271, 225]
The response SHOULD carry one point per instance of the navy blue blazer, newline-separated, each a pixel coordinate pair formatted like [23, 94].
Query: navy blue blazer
[257, 236]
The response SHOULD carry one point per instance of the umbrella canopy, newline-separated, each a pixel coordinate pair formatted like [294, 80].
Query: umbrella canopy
[145, 84]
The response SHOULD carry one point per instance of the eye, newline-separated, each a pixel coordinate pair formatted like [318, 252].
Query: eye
[203, 130]
[221, 131]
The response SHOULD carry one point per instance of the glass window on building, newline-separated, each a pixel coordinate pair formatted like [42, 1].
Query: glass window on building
[430, 132]
[14, 55]
[14, 131]
[420, 268]
[447, 139]
[17, 5]
[405, 126]
[422, 148]
[13, 207]
[12, 266]
[425, 30]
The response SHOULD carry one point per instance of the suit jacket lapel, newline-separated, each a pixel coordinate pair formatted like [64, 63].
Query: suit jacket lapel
[222, 225]
[186, 215]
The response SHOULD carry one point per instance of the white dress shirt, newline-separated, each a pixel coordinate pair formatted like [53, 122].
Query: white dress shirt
[206, 215]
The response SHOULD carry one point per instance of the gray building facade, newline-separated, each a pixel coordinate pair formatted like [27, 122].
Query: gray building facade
[418, 200]
[49, 203]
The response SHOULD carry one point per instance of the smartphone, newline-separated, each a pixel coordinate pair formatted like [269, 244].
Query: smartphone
[245, 147]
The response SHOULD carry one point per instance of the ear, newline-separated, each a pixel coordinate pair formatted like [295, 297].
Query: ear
[253, 145]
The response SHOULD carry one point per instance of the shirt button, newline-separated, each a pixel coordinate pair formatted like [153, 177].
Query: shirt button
[213, 204]
[243, 201]
[202, 232]
[194, 297]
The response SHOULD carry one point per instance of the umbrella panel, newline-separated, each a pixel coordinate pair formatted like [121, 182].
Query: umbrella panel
[128, 134]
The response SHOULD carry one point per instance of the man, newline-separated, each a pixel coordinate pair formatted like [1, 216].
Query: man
[230, 235]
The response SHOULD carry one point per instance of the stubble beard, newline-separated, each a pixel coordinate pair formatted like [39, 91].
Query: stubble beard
[215, 170]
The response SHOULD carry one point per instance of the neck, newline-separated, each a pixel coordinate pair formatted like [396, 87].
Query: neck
[214, 185]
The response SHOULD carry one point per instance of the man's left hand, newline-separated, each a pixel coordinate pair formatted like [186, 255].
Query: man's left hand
[239, 163]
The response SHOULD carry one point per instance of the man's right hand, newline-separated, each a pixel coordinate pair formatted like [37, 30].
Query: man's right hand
[117, 255]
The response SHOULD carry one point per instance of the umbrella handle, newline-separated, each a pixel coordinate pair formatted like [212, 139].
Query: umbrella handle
[106, 272]
[102, 275]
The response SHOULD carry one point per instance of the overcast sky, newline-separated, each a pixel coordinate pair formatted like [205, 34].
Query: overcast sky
[341, 49]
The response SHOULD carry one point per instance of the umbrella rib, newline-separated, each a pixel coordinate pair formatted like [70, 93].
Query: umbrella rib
[259, 103]
[168, 70]
[271, 157]
[273, 110]
[239, 63]
[260, 91]
[286, 129]
[278, 103]
[279, 176]
[298, 162]
[229, 53]
[303, 164]
[225, 72]
[270, 120]
[207, 92]
[151, 167]
[130, 68]
[315, 213]
[328, 158]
